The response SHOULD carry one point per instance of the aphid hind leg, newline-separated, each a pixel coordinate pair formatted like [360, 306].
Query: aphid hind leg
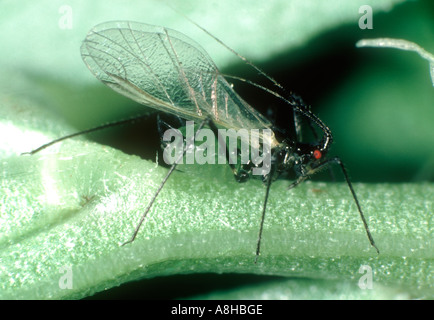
[163, 182]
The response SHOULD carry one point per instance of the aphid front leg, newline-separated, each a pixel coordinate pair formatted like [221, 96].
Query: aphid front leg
[338, 161]
[298, 181]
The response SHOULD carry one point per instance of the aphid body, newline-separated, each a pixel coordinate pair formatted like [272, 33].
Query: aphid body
[165, 70]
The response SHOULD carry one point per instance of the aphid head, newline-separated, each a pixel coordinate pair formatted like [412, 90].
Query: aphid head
[299, 158]
[310, 153]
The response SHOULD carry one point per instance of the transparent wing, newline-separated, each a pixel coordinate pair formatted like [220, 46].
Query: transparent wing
[165, 70]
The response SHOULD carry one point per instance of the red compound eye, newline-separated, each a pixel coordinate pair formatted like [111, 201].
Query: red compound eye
[317, 154]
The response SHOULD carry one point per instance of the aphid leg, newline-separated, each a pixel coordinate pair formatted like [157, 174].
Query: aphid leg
[157, 192]
[267, 192]
[163, 126]
[102, 127]
[299, 180]
[338, 161]
[242, 175]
